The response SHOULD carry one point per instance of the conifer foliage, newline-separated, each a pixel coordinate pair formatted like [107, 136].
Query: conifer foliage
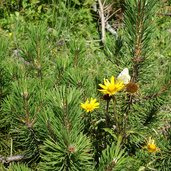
[72, 101]
[67, 148]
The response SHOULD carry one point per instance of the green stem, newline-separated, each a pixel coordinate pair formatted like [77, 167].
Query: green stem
[107, 113]
[11, 150]
[114, 104]
[116, 117]
[89, 122]
[89, 117]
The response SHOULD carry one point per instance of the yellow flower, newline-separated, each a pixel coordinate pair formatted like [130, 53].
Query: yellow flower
[151, 146]
[10, 34]
[111, 87]
[89, 106]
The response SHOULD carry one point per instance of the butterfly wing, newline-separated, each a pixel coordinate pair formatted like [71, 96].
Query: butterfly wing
[124, 76]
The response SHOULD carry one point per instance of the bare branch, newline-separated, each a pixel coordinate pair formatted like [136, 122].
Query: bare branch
[101, 13]
[104, 23]
[111, 29]
[112, 14]
[11, 158]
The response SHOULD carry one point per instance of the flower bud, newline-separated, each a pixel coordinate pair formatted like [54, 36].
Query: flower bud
[131, 87]
[71, 148]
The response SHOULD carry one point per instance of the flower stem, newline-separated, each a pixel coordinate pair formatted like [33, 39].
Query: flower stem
[116, 117]
[107, 113]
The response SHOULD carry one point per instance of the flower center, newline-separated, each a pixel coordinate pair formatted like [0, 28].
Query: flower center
[89, 107]
[151, 147]
[111, 88]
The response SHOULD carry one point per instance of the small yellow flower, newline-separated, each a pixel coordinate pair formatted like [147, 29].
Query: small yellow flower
[111, 87]
[89, 106]
[151, 146]
[10, 34]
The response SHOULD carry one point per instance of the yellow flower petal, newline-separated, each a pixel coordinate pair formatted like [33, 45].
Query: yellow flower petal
[89, 106]
[102, 86]
[112, 80]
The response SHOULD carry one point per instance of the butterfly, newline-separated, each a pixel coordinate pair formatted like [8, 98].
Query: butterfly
[124, 76]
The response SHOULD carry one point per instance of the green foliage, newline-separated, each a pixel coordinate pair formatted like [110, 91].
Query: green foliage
[32, 10]
[113, 158]
[68, 148]
[5, 76]
[52, 60]
[137, 17]
[19, 167]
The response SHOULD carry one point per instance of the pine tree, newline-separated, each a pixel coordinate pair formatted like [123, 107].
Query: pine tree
[57, 110]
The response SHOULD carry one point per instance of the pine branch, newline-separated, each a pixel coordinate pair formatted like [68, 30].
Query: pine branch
[17, 56]
[155, 95]
[138, 46]
[138, 17]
